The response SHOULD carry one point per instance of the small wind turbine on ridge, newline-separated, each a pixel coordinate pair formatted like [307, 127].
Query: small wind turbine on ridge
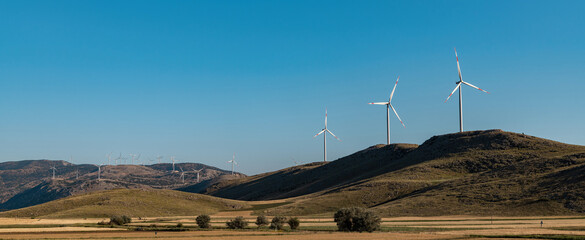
[233, 162]
[325, 131]
[460, 97]
[54, 169]
[388, 106]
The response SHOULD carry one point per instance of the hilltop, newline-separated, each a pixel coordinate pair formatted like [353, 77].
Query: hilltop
[29, 182]
[478, 172]
[134, 203]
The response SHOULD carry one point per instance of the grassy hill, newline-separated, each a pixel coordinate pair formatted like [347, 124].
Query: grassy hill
[479, 172]
[312, 177]
[135, 203]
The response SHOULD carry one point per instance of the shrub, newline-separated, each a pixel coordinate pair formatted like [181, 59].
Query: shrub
[102, 223]
[203, 221]
[356, 219]
[277, 222]
[179, 225]
[261, 221]
[120, 220]
[294, 223]
[237, 223]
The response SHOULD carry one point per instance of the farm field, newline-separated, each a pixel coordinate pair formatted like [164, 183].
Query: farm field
[446, 227]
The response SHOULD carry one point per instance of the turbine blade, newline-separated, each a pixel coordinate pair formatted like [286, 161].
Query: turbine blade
[458, 68]
[325, 117]
[458, 85]
[393, 89]
[320, 133]
[397, 115]
[471, 85]
[333, 134]
[379, 103]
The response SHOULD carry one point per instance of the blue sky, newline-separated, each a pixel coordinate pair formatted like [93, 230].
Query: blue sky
[201, 80]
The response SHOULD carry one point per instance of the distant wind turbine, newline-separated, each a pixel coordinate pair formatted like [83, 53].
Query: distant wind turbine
[159, 158]
[325, 131]
[173, 160]
[388, 106]
[460, 97]
[99, 170]
[54, 169]
[182, 175]
[119, 159]
[109, 157]
[233, 162]
[197, 171]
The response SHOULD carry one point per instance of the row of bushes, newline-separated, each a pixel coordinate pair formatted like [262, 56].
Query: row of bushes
[203, 221]
[347, 219]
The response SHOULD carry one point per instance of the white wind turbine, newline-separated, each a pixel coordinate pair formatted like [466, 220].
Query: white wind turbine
[388, 106]
[460, 98]
[182, 175]
[159, 158]
[233, 162]
[132, 156]
[99, 170]
[118, 159]
[197, 171]
[173, 160]
[54, 169]
[109, 157]
[325, 131]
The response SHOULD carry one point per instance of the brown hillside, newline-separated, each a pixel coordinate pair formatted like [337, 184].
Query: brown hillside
[479, 172]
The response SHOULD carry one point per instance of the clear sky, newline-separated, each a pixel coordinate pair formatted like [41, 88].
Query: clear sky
[201, 80]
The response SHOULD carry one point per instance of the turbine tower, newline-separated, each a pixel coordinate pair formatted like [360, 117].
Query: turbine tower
[460, 97]
[159, 158]
[325, 131]
[388, 106]
[54, 169]
[182, 175]
[197, 171]
[99, 170]
[173, 160]
[233, 162]
[119, 159]
[109, 157]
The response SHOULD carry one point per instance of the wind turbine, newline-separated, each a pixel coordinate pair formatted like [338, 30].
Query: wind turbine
[197, 171]
[99, 170]
[76, 174]
[109, 157]
[173, 160]
[54, 169]
[325, 131]
[388, 106]
[233, 162]
[119, 158]
[460, 98]
[159, 158]
[132, 156]
[182, 175]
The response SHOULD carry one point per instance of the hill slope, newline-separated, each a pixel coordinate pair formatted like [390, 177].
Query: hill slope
[134, 203]
[479, 172]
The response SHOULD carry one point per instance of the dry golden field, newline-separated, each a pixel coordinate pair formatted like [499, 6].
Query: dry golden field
[446, 227]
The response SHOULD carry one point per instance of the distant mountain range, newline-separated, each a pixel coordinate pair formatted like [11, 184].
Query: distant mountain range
[29, 182]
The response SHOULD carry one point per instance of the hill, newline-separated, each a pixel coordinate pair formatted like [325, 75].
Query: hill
[478, 172]
[25, 183]
[134, 203]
